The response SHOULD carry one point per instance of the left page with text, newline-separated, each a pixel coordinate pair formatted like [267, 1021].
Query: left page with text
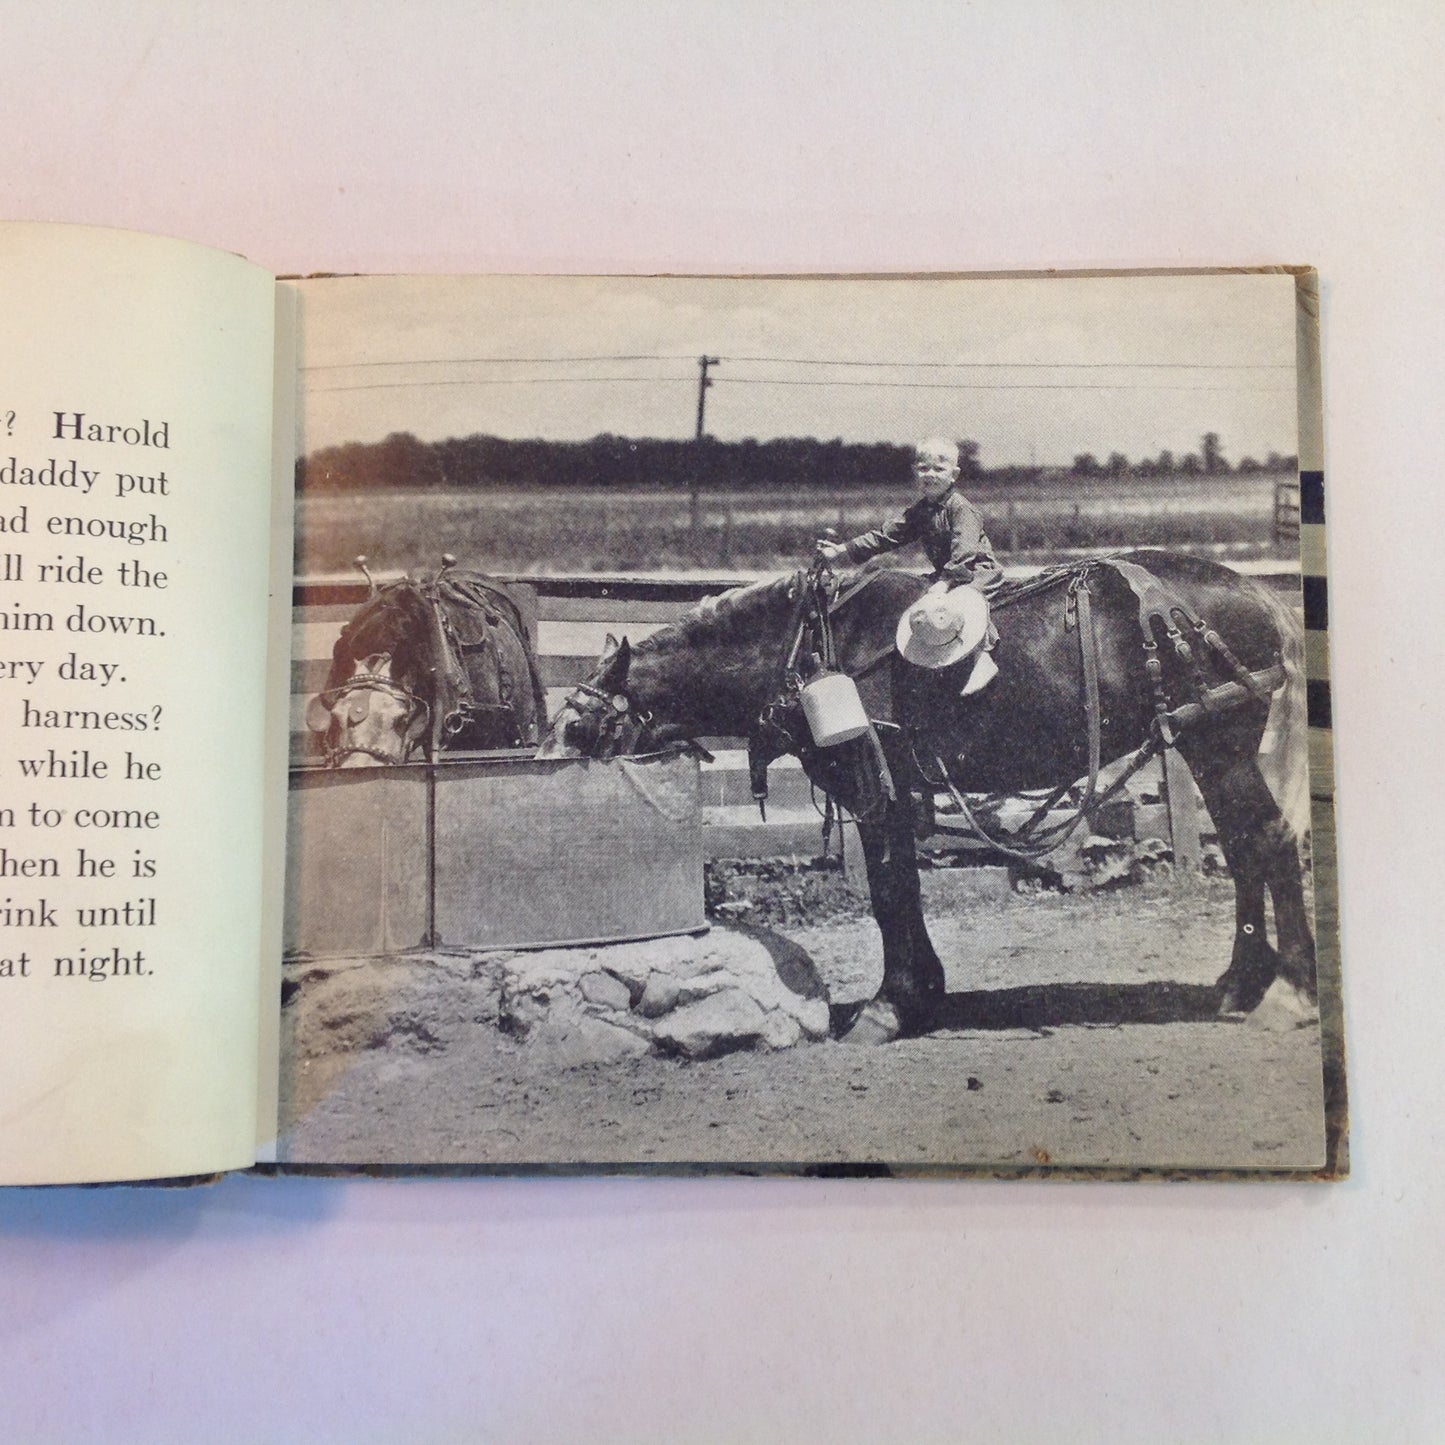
[135, 513]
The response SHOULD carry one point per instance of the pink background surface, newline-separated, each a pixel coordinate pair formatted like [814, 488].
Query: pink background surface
[648, 137]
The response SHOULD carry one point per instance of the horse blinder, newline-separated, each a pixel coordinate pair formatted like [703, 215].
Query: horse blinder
[603, 725]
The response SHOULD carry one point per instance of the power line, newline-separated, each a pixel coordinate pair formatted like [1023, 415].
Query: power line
[1034, 365]
[727, 381]
[821, 361]
[485, 360]
[505, 381]
[999, 385]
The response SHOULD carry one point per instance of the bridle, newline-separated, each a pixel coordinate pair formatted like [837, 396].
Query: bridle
[418, 709]
[619, 726]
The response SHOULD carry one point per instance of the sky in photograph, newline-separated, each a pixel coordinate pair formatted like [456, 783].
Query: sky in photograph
[1036, 369]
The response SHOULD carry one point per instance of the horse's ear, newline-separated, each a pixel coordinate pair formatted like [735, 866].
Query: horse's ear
[609, 645]
[615, 662]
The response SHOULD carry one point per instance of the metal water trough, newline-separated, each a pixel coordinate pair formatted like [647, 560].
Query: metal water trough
[492, 851]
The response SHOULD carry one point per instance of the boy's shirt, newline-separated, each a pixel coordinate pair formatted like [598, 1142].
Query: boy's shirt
[953, 538]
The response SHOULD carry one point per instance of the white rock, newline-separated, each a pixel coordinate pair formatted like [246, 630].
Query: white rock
[813, 1017]
[576, 1040]
[707, 984]
[780, 1030]
[659, 995]
[662, 975]
[720, 1024]
[605, 990]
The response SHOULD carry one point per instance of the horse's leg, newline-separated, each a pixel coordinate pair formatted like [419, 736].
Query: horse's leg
[1292, 922]
[918, 980]
[1261, 851]
[913, 981]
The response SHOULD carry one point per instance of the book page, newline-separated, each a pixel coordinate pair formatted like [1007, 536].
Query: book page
[1070, 923]
[135, 499]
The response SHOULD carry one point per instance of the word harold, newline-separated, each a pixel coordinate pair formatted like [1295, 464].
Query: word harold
[75, 426]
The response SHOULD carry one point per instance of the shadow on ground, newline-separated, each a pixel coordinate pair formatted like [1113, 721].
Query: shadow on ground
[1049, 1005]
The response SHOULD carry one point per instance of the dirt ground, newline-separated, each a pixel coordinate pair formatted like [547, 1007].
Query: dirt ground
[1079, 1034]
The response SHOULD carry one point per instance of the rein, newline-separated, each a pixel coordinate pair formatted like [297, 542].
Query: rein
[811, 629]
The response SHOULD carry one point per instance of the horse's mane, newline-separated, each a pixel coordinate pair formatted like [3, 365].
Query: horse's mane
[731, 616]
[390, 621]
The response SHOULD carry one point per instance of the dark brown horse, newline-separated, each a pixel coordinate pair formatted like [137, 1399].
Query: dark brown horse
[427, 664]
[1194, 654]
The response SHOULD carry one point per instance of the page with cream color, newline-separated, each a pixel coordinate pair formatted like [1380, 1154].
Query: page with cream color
[135, 507]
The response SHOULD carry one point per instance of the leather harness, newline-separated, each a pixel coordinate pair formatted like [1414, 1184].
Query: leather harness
[465, 615]
[1159, 609]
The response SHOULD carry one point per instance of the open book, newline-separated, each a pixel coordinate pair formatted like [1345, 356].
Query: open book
[285, 881]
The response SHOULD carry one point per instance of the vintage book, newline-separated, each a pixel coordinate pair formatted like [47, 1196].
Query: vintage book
[826, 725]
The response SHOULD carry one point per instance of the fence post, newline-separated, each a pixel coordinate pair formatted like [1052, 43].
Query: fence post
[1286, 514]
[526, 595]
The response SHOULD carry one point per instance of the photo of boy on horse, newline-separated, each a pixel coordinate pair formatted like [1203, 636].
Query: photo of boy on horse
[951, 621]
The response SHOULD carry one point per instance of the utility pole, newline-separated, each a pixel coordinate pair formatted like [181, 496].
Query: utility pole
[694, 500]
[703, 362]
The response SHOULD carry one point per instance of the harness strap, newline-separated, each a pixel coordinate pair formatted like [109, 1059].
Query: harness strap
[1043, 809]
[1089, 658]
[491, 610]
[847, 593]
[1031, 842]
[1253, 685]
[1247, 679]
[451, 685]
[1158, 604]
[1030, 847]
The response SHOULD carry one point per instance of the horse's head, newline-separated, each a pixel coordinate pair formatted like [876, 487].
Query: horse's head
[598, 720]
[372, 709]
[369, 717]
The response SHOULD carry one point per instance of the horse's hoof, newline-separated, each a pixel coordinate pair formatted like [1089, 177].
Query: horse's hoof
[1284, 1007]
[877, 1023]
[1239, 998]
[1231, 1006]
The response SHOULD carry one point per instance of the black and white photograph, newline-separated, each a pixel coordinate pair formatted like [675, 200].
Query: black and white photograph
[809, 724]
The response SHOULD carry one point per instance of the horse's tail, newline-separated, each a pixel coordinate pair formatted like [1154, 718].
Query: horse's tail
[1284, 760]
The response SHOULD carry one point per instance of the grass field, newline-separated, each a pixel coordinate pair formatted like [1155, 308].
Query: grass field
[658, 530]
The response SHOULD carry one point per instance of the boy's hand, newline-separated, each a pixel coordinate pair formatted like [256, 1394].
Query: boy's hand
[831, 552]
